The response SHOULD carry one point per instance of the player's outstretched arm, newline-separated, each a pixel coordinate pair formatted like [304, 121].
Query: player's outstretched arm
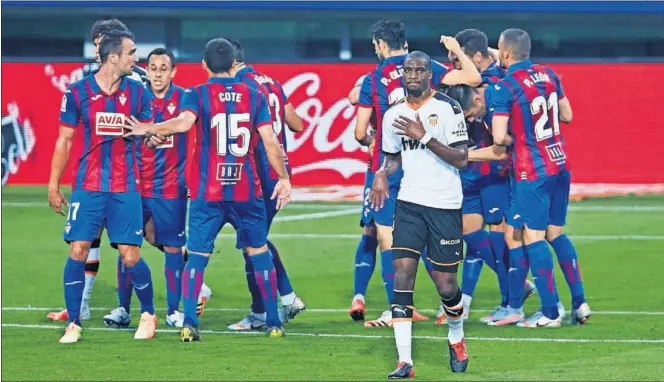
[294, 122]
[468, 74]
[362, 126]
[275, 156]
[565, 110]
[354, 94]
[380, 187]
[180, 124]
[486, 154]
[58, 164]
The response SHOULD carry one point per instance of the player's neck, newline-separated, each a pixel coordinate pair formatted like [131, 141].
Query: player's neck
[484, 64]
[161, 94]
[419, 100]
[107, 79]
[394, 53]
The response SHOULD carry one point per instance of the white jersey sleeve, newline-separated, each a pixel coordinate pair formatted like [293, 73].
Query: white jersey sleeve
[455, 128]
[391, 141]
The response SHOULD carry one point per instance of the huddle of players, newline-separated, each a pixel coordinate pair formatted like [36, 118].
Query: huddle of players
[222, 142]
[517, 181]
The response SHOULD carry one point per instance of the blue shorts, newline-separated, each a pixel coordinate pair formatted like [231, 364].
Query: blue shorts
[513, 218]
[270, 204]
[383, 216]
[491, 200]
[168, 218]
[544, 201]
[119, 212]
[206, 219]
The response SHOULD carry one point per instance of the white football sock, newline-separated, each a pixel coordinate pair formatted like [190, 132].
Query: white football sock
[288, 299]
[403, 337]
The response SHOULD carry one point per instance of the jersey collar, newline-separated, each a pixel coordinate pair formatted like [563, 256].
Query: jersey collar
[222, 80]
[97, 89]
[523, 64]
[246, 69]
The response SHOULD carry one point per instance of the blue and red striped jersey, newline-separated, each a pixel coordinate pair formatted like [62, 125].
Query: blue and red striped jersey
[382, 88]
[529, 95]
[163, 168]
[277, 100]
[228, 116]
[492, 74]
[108, 162]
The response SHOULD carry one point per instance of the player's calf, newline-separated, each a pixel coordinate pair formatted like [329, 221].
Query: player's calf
[141, 276]
[402, 322]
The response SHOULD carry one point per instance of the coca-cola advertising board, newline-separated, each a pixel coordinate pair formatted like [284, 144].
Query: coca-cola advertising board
[617, 119]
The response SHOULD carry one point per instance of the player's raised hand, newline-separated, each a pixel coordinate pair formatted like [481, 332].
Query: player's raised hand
[379, 189]
[56, 200]
[450, 44]
[136, 127]
[408, 127]
[282, 191]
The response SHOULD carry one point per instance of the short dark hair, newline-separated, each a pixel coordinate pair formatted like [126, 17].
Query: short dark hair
[518, 41]
[219, 55]
[111, 42]
[238, 55]
[392, 32]
[421, 56]
[161, 52]
[102, 27]
[473, 41]
[463, 94]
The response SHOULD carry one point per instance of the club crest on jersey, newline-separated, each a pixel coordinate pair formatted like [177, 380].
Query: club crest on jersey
[122, 99]
[109, 123]
[168, 143]
[433, 119]
[171, 108]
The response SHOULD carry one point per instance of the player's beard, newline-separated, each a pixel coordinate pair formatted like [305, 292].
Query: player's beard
[417, 92]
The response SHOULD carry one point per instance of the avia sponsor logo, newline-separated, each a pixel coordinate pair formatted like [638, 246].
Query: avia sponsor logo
[18, 141]
[109, 123]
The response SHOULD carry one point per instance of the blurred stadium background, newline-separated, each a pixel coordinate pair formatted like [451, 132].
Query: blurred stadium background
[611, 59]
[610, 55]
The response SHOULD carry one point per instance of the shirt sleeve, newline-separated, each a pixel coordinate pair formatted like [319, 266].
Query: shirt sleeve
[439, 72]
[145, 108]
[501, 99]
[189, 102]
[391, 142]
[559, 85]
[263, 116]
[456, 132]
[69, 110]
[366, 91]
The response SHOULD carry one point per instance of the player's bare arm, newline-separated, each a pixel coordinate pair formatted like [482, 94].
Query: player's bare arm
[58, 164]
[565, 110]
[282, 190]
[499, 128]
[294, 122]
[354, 95]
[380, 186]
[362, 125]
[468, 73]
[487, 154]
[181, 124]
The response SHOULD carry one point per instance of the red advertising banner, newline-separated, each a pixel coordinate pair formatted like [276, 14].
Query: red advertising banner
[616, 117]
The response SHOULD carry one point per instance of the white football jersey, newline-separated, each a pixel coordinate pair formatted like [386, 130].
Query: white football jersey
[428, 180]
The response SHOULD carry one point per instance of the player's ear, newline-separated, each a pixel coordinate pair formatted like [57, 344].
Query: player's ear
[174, 72]
[205, 67]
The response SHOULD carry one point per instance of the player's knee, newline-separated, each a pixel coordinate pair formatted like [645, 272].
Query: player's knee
[384, 235]
[174, 250]
[446, 284]
[78, 250]
[531, 235]
[472, 223]
[513, 237]
[553, 232]
[130, 254]
[251, 251]
[498, 227]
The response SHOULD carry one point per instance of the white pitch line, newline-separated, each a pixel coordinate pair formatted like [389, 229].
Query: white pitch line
[320, 310]
[362, 336]
[317, 215]
[356, 236]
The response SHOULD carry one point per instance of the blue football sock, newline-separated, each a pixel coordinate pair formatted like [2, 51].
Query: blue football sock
[74, 282]
[124, 285]
[256, 299]
[173, 272]
[192, 280]
[541, 266]
[569, 264]
[283, 282]
[266, 278]
[141, 279]
[387, 271]
[516, 276]
[428, 265]
[499, 249]
[365, 263]
[479, 252]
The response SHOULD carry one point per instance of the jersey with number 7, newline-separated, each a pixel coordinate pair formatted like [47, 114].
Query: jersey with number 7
[529, 96]
[228, 117]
